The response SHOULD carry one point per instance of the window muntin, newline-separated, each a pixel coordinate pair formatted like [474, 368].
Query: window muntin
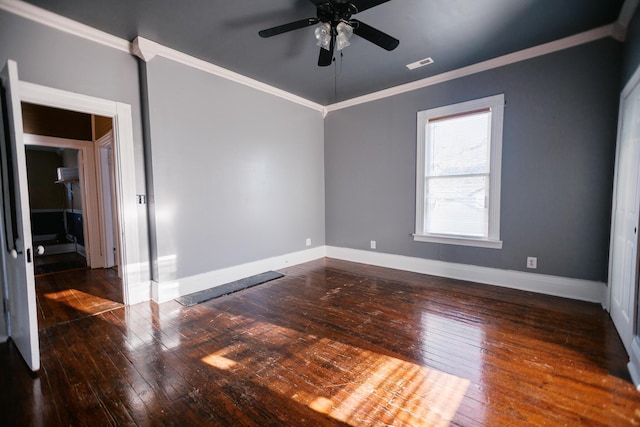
[458, 181]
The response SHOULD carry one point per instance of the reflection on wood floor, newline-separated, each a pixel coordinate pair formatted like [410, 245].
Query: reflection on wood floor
[74, 294]
[331, 343]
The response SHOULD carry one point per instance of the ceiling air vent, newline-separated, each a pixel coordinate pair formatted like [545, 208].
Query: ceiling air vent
[421, 63]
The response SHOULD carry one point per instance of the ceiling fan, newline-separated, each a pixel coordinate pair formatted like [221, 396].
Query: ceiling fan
[336, 27]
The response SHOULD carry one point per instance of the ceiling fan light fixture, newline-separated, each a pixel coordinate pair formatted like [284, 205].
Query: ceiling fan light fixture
[334, 27]
[323, 35]
[345, 31]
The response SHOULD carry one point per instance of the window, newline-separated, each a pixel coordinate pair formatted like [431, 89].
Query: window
[458, 173]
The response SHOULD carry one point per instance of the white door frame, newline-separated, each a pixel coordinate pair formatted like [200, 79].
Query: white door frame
[86, 169]
[135, 289]
[103, 147]
[634, 347]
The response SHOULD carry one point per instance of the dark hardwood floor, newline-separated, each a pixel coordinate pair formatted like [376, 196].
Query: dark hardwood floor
[331, 343]
[70, 295]
[44, 264]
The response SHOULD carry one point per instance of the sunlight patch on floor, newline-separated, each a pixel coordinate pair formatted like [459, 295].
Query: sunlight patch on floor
[353, 385]
[219, 362]
[79, 300]
[391, 391]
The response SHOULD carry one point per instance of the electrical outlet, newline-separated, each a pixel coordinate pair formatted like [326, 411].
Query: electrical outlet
[532, 262]
[373, 244]
[308, 241]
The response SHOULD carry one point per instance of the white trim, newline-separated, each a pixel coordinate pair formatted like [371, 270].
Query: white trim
[66, 25]
[606, 298]
[626, 12]
[621, 26]
[634, 352]
[147, 50]
[124, 165]
[495, 104]
[104, 181]
[56, 142]
[165, 291]
[584, 290]
[634, 362]
[143, 48]
[501, 61]
[87, 167]
[37, 94]
[460, 241]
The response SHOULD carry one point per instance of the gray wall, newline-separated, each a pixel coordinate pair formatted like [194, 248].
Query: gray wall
[52, 58]
[557, 172]
[238, 174]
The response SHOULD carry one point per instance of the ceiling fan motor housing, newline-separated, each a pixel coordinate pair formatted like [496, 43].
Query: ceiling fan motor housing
[335, 12]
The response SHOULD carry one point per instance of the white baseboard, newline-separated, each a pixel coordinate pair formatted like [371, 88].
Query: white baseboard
[634, 362]
[138, 288]
[139, 292]
[584, 290]
[578, 289]
[166, 291]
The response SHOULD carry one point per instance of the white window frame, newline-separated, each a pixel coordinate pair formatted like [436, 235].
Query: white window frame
[496, 105]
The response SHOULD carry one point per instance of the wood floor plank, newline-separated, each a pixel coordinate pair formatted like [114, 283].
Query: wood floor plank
[331, 343]
[71, 295]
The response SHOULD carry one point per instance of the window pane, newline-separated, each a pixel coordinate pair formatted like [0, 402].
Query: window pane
[457, 206]
[458, 145]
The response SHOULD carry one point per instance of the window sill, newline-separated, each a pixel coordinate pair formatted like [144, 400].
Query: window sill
[461, 241]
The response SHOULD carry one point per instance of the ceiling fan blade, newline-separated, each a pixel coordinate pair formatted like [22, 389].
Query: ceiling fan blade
[374, 35]
[366, 4]
[326, 56]
[270, 32]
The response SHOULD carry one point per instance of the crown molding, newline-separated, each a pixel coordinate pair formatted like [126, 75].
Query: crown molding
[501, 61]
[147, 50]
[621, 26]
[66, 25]
[144, 49]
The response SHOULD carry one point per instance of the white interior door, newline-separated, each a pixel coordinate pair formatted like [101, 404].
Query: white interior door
[23, 322]
[624, 237]
[106, 195]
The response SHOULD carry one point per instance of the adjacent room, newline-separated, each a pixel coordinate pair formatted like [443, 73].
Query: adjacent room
[320, 212]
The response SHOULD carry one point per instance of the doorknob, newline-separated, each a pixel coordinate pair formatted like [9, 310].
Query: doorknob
[40, 250]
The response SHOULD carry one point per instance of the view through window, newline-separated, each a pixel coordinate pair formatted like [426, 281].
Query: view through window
[458, 197]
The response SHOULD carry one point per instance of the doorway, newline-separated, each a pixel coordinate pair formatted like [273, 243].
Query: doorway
[72, 210]
[19, 279]
[55, 199]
